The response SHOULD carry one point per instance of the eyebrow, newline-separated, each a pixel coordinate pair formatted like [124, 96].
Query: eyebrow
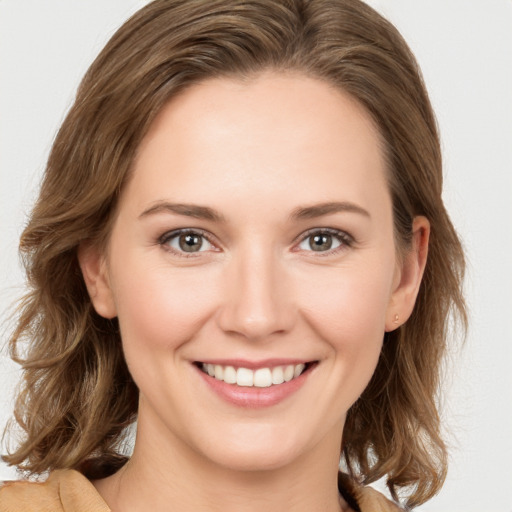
[299, 213]
[185, 209]
[317, 210]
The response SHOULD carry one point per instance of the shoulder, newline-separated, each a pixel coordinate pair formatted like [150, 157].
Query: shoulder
[63, 491]
[364, 498]
[26, 496]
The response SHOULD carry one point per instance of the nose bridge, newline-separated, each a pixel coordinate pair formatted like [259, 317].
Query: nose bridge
[257, 302]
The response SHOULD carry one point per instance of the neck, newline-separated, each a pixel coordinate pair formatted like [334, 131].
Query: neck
[167, 472]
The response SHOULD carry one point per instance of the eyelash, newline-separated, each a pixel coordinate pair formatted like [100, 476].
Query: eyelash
[346, 240]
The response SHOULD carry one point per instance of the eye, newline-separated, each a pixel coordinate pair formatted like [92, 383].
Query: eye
[325, 240]
[186, 241]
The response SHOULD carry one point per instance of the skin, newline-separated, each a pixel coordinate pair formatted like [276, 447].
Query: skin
[255, 151]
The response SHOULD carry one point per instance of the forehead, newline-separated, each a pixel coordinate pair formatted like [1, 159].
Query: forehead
[273, 134]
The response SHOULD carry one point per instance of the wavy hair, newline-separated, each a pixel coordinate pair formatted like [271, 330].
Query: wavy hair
[77, 397]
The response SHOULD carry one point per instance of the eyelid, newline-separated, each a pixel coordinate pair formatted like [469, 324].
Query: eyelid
[345, 238]
[168, 235]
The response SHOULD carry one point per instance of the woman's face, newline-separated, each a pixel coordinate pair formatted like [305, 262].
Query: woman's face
[254, 242]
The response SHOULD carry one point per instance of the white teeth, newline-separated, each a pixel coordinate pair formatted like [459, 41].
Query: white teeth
[244, 377]
[288, 372]
[263, 378]
[229, 375]
[277, 375]
[297, 370]
[219, 372]
[260, 378]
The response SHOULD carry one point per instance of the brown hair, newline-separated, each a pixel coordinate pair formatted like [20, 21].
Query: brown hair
[77, 395]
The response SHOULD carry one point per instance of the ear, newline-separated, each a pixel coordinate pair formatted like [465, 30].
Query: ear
[408, 276]
[95, 271]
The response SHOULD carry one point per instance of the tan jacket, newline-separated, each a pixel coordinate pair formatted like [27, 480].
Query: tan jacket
[70, 491]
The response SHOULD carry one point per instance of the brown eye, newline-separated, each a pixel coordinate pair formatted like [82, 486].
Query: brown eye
[322, 242]
[186, 241]
[326, 240]
[190, 242]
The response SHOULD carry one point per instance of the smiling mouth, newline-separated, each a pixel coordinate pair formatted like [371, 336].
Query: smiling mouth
[259, 378]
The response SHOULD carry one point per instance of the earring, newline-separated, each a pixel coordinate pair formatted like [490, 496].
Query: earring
[396, 318]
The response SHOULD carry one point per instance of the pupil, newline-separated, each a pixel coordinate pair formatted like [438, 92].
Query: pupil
[190, 243]
[321, 242]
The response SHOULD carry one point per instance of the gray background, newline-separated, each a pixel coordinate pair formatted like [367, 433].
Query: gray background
[465, 50]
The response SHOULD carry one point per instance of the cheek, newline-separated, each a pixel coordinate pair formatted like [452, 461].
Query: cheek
[161, 307]
[347, 310]
[349, 305]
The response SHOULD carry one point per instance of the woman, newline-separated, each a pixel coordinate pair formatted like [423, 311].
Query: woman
[230, 246]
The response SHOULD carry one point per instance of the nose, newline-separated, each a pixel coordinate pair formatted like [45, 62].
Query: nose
[258, 302]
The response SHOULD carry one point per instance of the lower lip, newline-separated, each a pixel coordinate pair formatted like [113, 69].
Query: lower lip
[254, 397]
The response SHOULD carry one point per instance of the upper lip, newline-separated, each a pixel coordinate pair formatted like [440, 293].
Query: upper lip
[254, 365]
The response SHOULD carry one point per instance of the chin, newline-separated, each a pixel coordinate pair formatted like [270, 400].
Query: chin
[255, 461]
[240, 455]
